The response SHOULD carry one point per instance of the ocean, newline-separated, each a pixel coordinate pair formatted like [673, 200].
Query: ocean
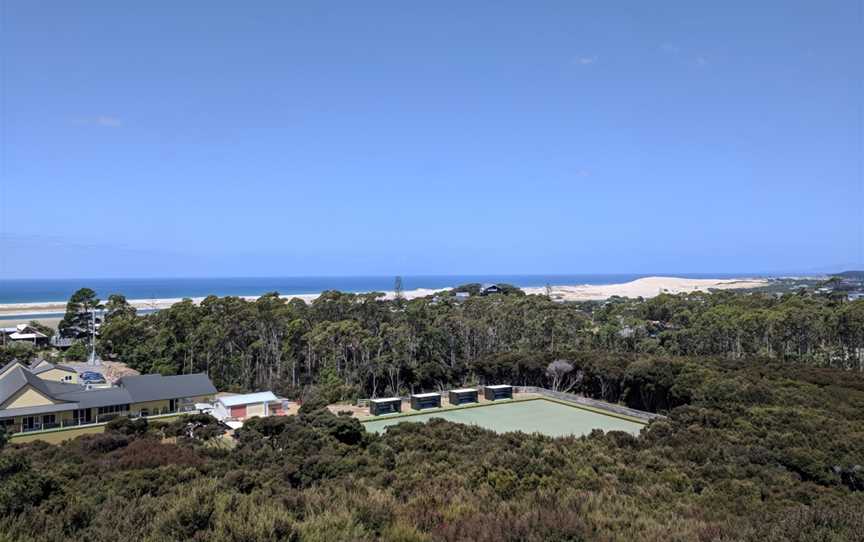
[54, 290]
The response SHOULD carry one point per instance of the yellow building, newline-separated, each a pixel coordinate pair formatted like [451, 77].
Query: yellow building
[30, 403]
[56, 373]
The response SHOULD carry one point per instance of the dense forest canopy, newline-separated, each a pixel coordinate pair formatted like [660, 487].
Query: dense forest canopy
[374, 346]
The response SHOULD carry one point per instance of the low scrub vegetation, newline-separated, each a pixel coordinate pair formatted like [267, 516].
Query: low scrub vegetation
[750, 451]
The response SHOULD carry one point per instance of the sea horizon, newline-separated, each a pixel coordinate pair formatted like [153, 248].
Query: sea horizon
[13, 291]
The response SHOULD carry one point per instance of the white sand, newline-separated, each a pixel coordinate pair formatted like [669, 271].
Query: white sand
[48, 307]
[644, 287]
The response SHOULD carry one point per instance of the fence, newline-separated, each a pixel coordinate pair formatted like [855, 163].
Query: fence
[593, 403]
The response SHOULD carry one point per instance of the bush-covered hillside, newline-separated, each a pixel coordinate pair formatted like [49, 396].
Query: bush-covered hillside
[750, 451]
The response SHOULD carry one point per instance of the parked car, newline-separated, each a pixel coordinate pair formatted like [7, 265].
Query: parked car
[92, 377]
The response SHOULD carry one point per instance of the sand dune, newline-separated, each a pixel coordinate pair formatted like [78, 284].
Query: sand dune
[645, 287]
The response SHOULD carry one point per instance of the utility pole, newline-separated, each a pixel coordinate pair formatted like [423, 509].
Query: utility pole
[92, 359]
[397, 288]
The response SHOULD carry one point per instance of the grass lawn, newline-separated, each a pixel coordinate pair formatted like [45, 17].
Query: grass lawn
[543, 416]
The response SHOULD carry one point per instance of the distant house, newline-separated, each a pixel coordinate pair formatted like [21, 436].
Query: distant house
[850, 283]
[25, 333]
[488, 289]
[855, 296]
[462, 296]
[248, 405]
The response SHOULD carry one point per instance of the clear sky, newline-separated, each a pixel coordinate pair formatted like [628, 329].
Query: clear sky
[203, 138]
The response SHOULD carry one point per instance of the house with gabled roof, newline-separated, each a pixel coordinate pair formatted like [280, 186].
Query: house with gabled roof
[25, 333]
[30, 403]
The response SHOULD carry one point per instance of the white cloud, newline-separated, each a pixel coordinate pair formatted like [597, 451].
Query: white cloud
[110, 122]
[103, 121]
[670, 48]
[585, 60]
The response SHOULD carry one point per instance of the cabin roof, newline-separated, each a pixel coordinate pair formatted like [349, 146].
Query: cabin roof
[248, 398]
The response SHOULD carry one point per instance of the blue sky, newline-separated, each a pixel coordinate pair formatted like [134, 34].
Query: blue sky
[355, 138]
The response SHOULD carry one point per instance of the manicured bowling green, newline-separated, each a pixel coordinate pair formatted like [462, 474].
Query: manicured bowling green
[543, 416]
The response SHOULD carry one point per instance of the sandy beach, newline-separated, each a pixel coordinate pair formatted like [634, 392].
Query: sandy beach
[644, 287]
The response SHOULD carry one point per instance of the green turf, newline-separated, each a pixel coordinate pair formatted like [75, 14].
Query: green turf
[537, 416]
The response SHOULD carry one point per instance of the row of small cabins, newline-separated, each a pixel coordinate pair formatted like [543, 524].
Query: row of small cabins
[421, 401]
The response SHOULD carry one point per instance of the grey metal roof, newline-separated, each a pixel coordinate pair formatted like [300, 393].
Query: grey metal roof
[158, 387]
[132, 389]
[41, 409]
[98, 397]
[17, 379]
[47, 366]
[11, 364]
[38, 362]
[58, 388]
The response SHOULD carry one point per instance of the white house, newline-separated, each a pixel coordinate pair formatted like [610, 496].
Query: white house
[24, 332]
[248, 405]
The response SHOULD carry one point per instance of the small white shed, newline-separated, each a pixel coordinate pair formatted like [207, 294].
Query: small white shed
[248, 405]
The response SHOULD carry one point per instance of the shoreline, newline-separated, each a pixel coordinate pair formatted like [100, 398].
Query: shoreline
[643, 287]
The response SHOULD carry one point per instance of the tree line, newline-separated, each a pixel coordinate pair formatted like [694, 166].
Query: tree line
[357, 344]
[822, 330]
[365, 345]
